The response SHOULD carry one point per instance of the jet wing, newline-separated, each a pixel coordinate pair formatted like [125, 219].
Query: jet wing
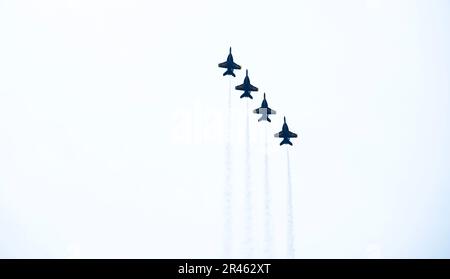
[279, 135]
[271, 111]
[236, 66]
[259, 110]
[240, 87]
[223, 65]
[292, 135]
[253, 88]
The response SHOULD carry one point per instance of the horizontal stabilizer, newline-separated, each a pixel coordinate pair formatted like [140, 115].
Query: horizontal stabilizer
[285, 141]
[264, 117]
[246, 94]
[229, 73]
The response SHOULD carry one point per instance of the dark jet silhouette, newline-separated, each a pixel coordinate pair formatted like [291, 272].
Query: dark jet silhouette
[229, 65]
[246, 87]
[264, 110]
[285, 134]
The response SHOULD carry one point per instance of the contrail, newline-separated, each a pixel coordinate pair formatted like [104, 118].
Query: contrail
[267, 224]
[228, 232]
[290, 219]
[248, 196]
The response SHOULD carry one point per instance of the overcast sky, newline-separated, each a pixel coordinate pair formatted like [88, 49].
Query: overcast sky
[113, 127]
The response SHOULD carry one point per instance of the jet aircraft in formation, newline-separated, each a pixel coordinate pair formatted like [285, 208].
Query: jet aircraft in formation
[229, 65]
[247, 87]
[285, 134]
[264, 110]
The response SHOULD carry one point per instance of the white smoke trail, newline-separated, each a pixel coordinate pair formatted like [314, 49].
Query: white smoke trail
[290, 217]
[248, 196]
[267, 224]
[228, 231]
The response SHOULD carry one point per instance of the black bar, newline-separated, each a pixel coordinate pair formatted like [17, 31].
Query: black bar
[180, 268]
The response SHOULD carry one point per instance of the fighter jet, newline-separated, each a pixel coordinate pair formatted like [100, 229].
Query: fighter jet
[229, 65]
[285, 134]
[264, 110]
[246, 87]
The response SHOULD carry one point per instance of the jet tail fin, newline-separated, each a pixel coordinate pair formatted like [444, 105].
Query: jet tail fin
[264, 117]
[246, 94]
[228, 72]
[285, 141]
